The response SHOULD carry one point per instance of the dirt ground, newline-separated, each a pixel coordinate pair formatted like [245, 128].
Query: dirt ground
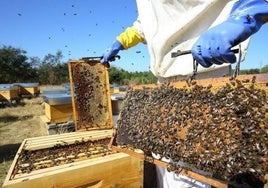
[18, 122]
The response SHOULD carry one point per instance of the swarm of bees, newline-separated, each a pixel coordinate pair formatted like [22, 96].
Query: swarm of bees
[223, 131]
[90, 94]
[60, 154]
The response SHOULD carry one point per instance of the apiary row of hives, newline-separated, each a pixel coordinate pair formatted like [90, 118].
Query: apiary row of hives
[81, 158]
[220, 129]
[14, 92]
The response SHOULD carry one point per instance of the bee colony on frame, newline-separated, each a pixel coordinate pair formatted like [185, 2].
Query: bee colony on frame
[91, 96]
[217, 126]
[82, 158]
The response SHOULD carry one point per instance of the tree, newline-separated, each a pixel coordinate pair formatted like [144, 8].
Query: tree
[62, 74]
[14, 66]
[122, 77]
[115, 75]
[52, 70]
[249, 71]
[264, 69]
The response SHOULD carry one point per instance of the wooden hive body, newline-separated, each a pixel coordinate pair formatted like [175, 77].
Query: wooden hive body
[10, 93]
[58, 113]
[97, 170]
[29, 91]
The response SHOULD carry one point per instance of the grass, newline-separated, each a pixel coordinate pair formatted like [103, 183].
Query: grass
[18, 122]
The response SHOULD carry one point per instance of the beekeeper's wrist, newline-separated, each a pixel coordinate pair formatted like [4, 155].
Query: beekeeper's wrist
[129, 38]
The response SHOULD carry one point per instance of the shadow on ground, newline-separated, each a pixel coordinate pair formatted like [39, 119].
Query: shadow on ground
[4, 104]
[8, 152]
[11, 118]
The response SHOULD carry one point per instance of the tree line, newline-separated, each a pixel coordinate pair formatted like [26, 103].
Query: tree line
[17, 67]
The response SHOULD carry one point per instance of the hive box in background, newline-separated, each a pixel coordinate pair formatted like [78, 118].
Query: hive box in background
[58, 115]
[28, 89]
[58, 107]
[9, 92]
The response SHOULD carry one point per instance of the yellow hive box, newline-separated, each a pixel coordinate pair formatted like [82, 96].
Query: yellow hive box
[28, 89]
[9, 92]
[58, 113]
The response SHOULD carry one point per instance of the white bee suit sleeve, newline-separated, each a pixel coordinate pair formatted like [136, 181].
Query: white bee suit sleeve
[166, 179]
[172, 25]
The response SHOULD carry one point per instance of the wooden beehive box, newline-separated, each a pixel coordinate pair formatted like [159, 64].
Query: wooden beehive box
[79, 159]
[58, 113]
[8, 92]
[166, 118]
[114, 90]
[58, 108]
[28, 89]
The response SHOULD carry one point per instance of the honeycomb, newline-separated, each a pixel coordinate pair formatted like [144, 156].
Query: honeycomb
[221, 131]
[91, 95]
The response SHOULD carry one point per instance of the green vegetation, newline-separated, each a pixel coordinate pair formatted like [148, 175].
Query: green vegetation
[122, 77]
[16, 66]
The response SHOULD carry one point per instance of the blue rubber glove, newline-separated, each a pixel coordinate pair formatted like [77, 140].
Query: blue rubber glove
[111, 52]
[214, 45]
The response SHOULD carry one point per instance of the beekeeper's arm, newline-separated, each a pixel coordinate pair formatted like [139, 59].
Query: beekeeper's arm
[127, 39]
[214, 45]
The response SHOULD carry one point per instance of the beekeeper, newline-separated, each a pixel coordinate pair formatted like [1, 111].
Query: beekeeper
[209, 28]
[167, 26]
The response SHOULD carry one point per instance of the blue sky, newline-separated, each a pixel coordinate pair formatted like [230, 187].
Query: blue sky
[82, 28]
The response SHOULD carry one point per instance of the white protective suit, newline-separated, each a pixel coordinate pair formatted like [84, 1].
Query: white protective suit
[172, 25]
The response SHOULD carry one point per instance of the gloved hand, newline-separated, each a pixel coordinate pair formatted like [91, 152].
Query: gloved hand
[214, 45]
[127, 39]
[111, 52]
